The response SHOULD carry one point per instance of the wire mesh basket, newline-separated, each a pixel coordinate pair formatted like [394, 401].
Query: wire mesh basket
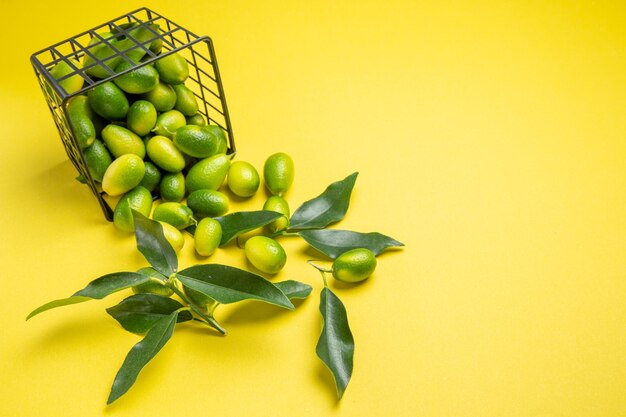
[204, 78]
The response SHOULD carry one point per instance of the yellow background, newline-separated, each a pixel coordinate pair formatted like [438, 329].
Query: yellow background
[489, 137]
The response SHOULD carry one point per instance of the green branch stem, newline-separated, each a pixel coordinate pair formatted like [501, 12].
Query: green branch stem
[208, 319]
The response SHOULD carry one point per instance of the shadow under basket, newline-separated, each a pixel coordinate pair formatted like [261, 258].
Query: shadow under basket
[204, 78]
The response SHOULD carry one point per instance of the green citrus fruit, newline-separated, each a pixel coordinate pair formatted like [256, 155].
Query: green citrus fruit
[354, 265]
[151, 178]
[124, 174]
[122, 141]
[78, 113]
[138, 199]
[141, 117]
[173, 236]
[165, 154]
[178, 215]
[168, 122]
[197, 119]
[278, 173]
[173, 69]
[207, 236]
[163, 97]
[265, 254]
[279, 205]
[137, 81]
[108, 101]
[186, 102]
[172, 187]
[98, 159]
[152, 286]
[208, 173]
[243, 179]
[72, 83]
[208, 203]
[196, 141]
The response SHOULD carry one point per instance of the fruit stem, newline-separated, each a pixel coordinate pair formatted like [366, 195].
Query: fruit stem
[208, 319]
[323, 271]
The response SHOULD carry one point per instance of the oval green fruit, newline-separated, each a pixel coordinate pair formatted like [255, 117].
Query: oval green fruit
[173, 69]
[98, 159]
[354, 265]
[186, 102]
[173, 236]
[163, 97]
[156, 286]
[278, 173]
[137, 81]
[207, 236]
[208, 173]
[122, 141]
[196, 141]
[265, 254]
[165, 154]
[178, 215]
[71, 84]
[151, 178]
[197, 119]
[138, 199]
[279, 205]
[108, 101]
[78, 113]
[243, 179]
[124, 174]
[172, 187]
[168, 122]
[141, 117]
[208, 203]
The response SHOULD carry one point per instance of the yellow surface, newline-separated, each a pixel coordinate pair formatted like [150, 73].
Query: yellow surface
[490, 137]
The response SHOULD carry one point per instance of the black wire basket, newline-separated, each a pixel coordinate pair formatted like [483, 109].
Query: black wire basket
[204, 77]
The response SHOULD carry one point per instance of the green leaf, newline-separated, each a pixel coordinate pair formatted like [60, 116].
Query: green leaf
[227, 284]
[96, 290]
[152, 244]
[240, 222]
[141, 354]
[336, 345]
[329, 207]
[139, 312]
[294, 289]
[333, 243]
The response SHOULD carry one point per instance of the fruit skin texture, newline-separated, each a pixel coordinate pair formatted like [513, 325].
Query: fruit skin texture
[165, 154]
[208, 173]
[163, 97]
[141, 117]
[243, 179]
[265, 254]
[173, 236]
[197, 119]
[279, 205]
[178, 215]
[173, 69]
[108, 101]
[151, 178]
[122, 141]
[71, 84]
[354, 265]
[78, 112]
[124, 174]
[186, 102]
[138, 81]
[208, 203]
[98, 159]
[152, 287]
[278, 172]
[172, 187]
[167, 123]
[207, 236]
[196, 141]
[138, 199]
